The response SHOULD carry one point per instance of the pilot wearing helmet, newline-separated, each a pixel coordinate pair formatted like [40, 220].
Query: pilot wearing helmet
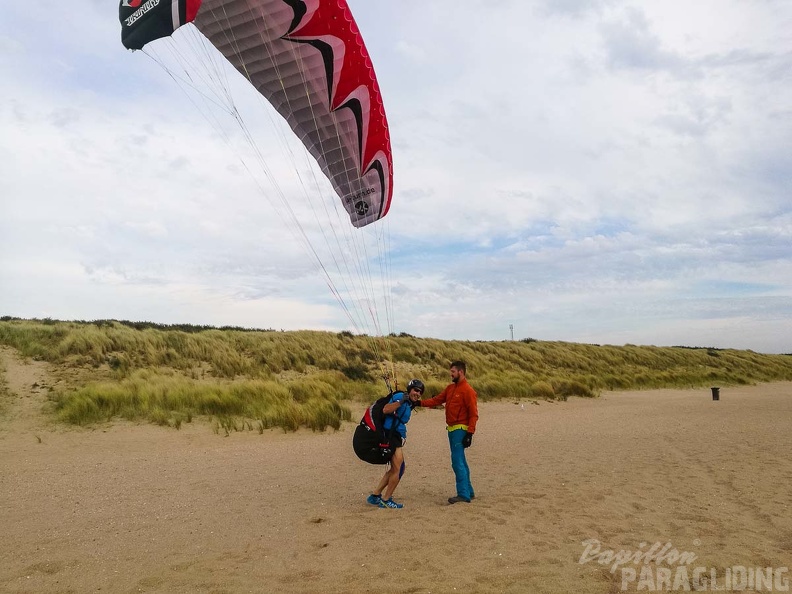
[397, 415]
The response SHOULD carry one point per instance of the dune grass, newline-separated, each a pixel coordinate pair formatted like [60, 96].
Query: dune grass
[261, 379]
[169, 399]
[5, 393]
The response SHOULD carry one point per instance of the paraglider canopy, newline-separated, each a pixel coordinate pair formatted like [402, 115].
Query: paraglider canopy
[308, 59]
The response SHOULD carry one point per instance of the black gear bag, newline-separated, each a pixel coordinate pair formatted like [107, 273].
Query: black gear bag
[371, 442]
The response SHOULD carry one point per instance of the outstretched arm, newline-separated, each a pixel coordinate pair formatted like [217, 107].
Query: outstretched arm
[437, 400]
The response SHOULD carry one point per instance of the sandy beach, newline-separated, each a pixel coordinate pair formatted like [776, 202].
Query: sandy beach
[140, 508]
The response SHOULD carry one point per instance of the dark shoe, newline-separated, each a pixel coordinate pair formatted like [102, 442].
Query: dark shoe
[458, 499]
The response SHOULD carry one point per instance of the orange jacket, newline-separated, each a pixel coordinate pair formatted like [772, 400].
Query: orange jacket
[461, 404]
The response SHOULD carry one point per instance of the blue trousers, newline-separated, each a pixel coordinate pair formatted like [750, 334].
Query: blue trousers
[459, 464]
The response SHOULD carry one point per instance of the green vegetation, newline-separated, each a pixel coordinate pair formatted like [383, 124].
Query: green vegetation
[255, 379]
[5, 395]
[168, 399]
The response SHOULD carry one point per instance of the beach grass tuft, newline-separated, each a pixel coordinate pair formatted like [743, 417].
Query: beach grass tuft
[169, 375]
[171, 399]
[5, 393]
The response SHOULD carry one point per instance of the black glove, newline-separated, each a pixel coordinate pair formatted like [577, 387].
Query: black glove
[467, 441]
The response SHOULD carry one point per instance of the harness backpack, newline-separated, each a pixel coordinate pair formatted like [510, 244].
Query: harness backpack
[371, 441]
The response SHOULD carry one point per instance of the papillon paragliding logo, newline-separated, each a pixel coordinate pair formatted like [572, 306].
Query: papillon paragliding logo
[131, 3]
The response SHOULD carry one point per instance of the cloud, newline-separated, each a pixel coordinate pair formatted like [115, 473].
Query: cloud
[631, 44]
[573, 8]
[601, 172]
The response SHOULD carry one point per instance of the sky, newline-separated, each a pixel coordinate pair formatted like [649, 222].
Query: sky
[591, 171]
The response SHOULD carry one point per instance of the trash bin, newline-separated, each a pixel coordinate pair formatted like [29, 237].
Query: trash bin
[716, 393]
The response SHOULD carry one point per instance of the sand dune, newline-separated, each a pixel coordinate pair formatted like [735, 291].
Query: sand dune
[138, 508]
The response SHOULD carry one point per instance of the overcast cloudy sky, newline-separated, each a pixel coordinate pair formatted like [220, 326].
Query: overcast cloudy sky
[600, 171]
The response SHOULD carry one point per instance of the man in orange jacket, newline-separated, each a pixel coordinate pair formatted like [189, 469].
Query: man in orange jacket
[461, 411]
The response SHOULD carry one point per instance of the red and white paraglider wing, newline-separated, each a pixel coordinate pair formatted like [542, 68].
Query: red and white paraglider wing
[309, 60]
[307, 57]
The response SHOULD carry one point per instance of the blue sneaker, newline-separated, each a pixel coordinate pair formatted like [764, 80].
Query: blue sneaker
[390, 503]
[373, 499]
